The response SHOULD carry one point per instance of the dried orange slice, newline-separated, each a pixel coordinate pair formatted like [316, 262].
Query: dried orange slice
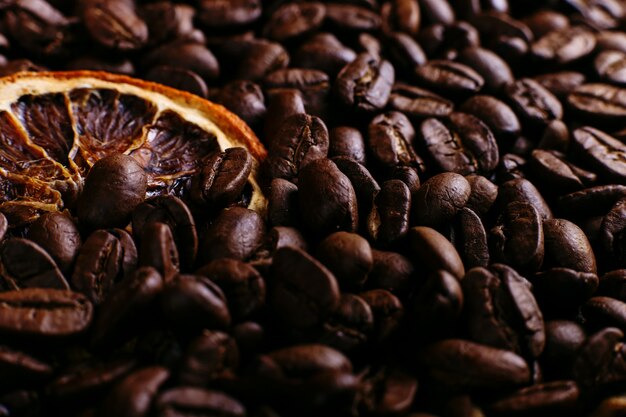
[55, 125]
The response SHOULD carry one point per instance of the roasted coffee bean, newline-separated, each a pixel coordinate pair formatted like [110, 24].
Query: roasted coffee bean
[438, 305]
[417, 103]
[388, 221]
[599, 361]
[243, 286]
[58, 235]
[612, 283]
[482, 195]
[498, 116]
[245, 99]
[609, 65]
[470, 238]
[365, 83]
[210, 356]
[404, 52]
[215, 14]
[555, 173]
[572, 287]
[601, 151]
[348, 256]
[304, 292]
[223, 177]
[599, 103]
[294, 20]
[174, 212]
[439, 199]
[304, 361]
[388, 312]
[282, 104]
[390, 140]
[236, 233]
[605, 311]
[194, 302]
[545, 21]
[437, 11]
[518, 237]
[389, 391]
[345, 141]
[27, 265]
[402, 15]
[114, 24]
[461, 144]
[327, 198]
[127, 305]
[133, 396]
[279, 237]
[391, 271]
[45, 313]
[255, 58]
[158, 250]
[350, 326]
[300, 140]
[561, 83]
[461, 364]
[550, 397]
[349, 18]
[314, 86]
[563, 339]
[449, 78]
[555, 136]
[113, 188]
[522, 190]
[203, 402]
[502, 25]
[364, 184]
[493, 69]
[532, 102]
[501, 311]
[323, 52]
[186, 55]
[282, 209]
[592, 201]
[565, 45]
[435, 252]
[567, 246]
[167, 21]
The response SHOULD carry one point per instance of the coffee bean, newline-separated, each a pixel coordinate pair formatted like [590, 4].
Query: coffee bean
[348, 256]
[388, 312]
[114, 186]
[293, 20]
[564, 45]
[599, 361]
[389, 391]
[58, 235]
[439, 199]
[438, 305]
[404, 52]
[27, 265]
[236, 233]
[350, 326]
[245, 99]
[417, 103]
[388, 221]
[327, 198]
[390, 139]
[563, 339]
[304, 292]
[435, 252]
[349, 18]
[493, 69]
[133, 396]
[178, 78]
[203, 402]
[158, 250]
[449, 78]
[498, 116]
[314, 86]
[567, 246]
[571, 286]
[282, 104]
[609, 65]
[365, 83]
[437, 12]
[598, 103]
[45, 313]
[186, 55]
[282, 203]
[601, 151]
[21, 369]
[211, 356]
[364, 184]
[215, 14]
[482, 195]
[561, 83]
[556, 173]
[345, 141]
[114, 24]
[457, 363]
[522, 190]
[594, 200]
[280, 237]
[549, 397]
[256, 58]
[545, 21]
[470, 238]
[402, 15]
[323, 52]
[532, 102]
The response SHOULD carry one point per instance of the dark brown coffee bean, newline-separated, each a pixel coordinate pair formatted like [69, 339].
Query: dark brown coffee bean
[243, 286]
[388, 312]
[203, 402]
[347, 142]
[550, 397]
[555, 137]
[389, 391]
[223, 177]
[571, 287]
[466, 365]
[314, 86]
[211, 356]
[483, 194]
[302, 361]
[364, 184]
[612, 283]
[501, 25]
[611, 232]
[498, 116]
[599, 102]
[300, 139]
[404, 52]
[564, 45]
[126, 306]
[323, 52]
[282, 209]
[567, 246]
[114, 186]
[518, 238]
[601, 151]
[282, 105]
[599, 362]
[133, 396]
[304, 292]
[365, 83]
[470, 238]
[511, 168]
[439, 199]
[563, 339]
[174, 212]
[449, 77]
[435, 252]
[58, 235]
[554, 172]
[388, 221]
[294, 20]
[216, 14]
[390, 139]
[417, 103]
[43, 312]
[236, 233]
[522, 190]
[461, 144]
[532, 102]
[348, 256]
[123, 66]
[194, 302]
[114, 24]
[21, 370]
[545, 21]
[245, 99]
[349, 18]
[167, 21]
[493, 69]
[280, 237]
[561, 83]
[437, 11]
[27, 265]
[402, 15]
[350, 326]
[592, 201]
[438, 305]
[255, 58]
[158, 250]
[327, 198]
[605, 311]
[186, 55]
[610, 67]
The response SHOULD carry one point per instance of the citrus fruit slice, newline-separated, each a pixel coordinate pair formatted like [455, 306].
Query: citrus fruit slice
[55, 125]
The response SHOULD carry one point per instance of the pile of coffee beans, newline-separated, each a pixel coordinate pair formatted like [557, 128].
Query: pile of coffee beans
[445, 232]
